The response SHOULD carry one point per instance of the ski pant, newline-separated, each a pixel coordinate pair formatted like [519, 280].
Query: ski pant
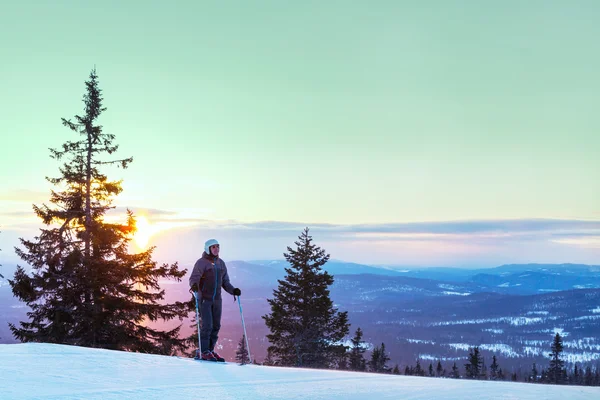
[211, 323]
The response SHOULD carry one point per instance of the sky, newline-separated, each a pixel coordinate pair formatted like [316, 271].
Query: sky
[50, 371]
[446, 133]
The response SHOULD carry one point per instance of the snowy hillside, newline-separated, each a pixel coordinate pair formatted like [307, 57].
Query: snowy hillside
[44, 371]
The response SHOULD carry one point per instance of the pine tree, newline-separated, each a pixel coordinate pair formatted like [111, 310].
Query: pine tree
[356, 358]
[375, 360]
[439, 370]
[556, 370]
[431, 369]
[455, 372]
[588, 379]
[241, 354]
[85, 288]
[382, 360]
[342, 361]
[396, 370]
[269, 360]
[574, 379]
[534, 374]
[419, 371]
[501, 376]
[306, 331]
[473, 368]
[494, 369]
[483, 372]
[407, 371]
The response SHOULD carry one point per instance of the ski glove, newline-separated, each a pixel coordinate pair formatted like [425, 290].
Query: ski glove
[195, 287]
[237, 292]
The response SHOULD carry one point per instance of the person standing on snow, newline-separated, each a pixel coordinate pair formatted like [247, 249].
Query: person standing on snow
[207, 278]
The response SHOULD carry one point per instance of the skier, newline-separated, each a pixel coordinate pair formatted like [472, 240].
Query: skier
[207, 278]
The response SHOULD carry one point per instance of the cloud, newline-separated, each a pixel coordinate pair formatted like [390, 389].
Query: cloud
[585, 241]
[25, 195]
[18, 214]
[492, 229]
[181, 237]
[154, 215]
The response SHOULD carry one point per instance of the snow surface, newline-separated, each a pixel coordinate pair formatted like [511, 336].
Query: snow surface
[47, 371]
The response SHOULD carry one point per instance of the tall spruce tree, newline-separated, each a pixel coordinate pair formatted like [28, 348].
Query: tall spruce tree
[356, 359]
[556, 371]
[306, 330]
[241, 354]
[85, 287]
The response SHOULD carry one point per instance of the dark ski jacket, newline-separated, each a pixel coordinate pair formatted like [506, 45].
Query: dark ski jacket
[210, 273]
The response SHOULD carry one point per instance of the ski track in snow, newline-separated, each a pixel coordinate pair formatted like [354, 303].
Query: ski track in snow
[46, 371]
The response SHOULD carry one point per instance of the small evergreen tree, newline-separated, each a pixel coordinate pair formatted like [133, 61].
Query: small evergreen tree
[439, 369]
[574, 378]
[241, 354]
[474, 368]
[342, 362]
[407, 371]
[431, 369]
[556, 371]
[374, 362]
[588, 379]
[455, 372]
[494, 369]
[86, 288]
[396, 370]
[356, 359]
[419, 371]
[379, 359]
[501, 376]
[483, 372]
[534, 374]
[306, 331]
[269, 360]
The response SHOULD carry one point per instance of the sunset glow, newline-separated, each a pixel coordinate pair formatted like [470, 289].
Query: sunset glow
[144, 230]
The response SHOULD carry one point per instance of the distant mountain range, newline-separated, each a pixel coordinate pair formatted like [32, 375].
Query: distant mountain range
[438, 313]
[507, 279]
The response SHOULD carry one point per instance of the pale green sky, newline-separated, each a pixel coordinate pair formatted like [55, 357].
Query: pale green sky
[342, 112]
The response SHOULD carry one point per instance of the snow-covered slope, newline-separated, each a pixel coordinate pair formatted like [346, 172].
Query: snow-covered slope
[44, 371]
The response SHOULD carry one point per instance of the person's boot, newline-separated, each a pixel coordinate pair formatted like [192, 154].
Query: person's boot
[207, 355]
[218, 357]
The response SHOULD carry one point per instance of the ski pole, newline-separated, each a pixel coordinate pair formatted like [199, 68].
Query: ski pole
[244, 326]
[197, 324]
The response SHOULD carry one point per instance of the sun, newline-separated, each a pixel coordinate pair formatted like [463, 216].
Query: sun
[143, 232]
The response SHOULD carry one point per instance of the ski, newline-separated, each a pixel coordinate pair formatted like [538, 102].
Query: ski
[210, 361]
